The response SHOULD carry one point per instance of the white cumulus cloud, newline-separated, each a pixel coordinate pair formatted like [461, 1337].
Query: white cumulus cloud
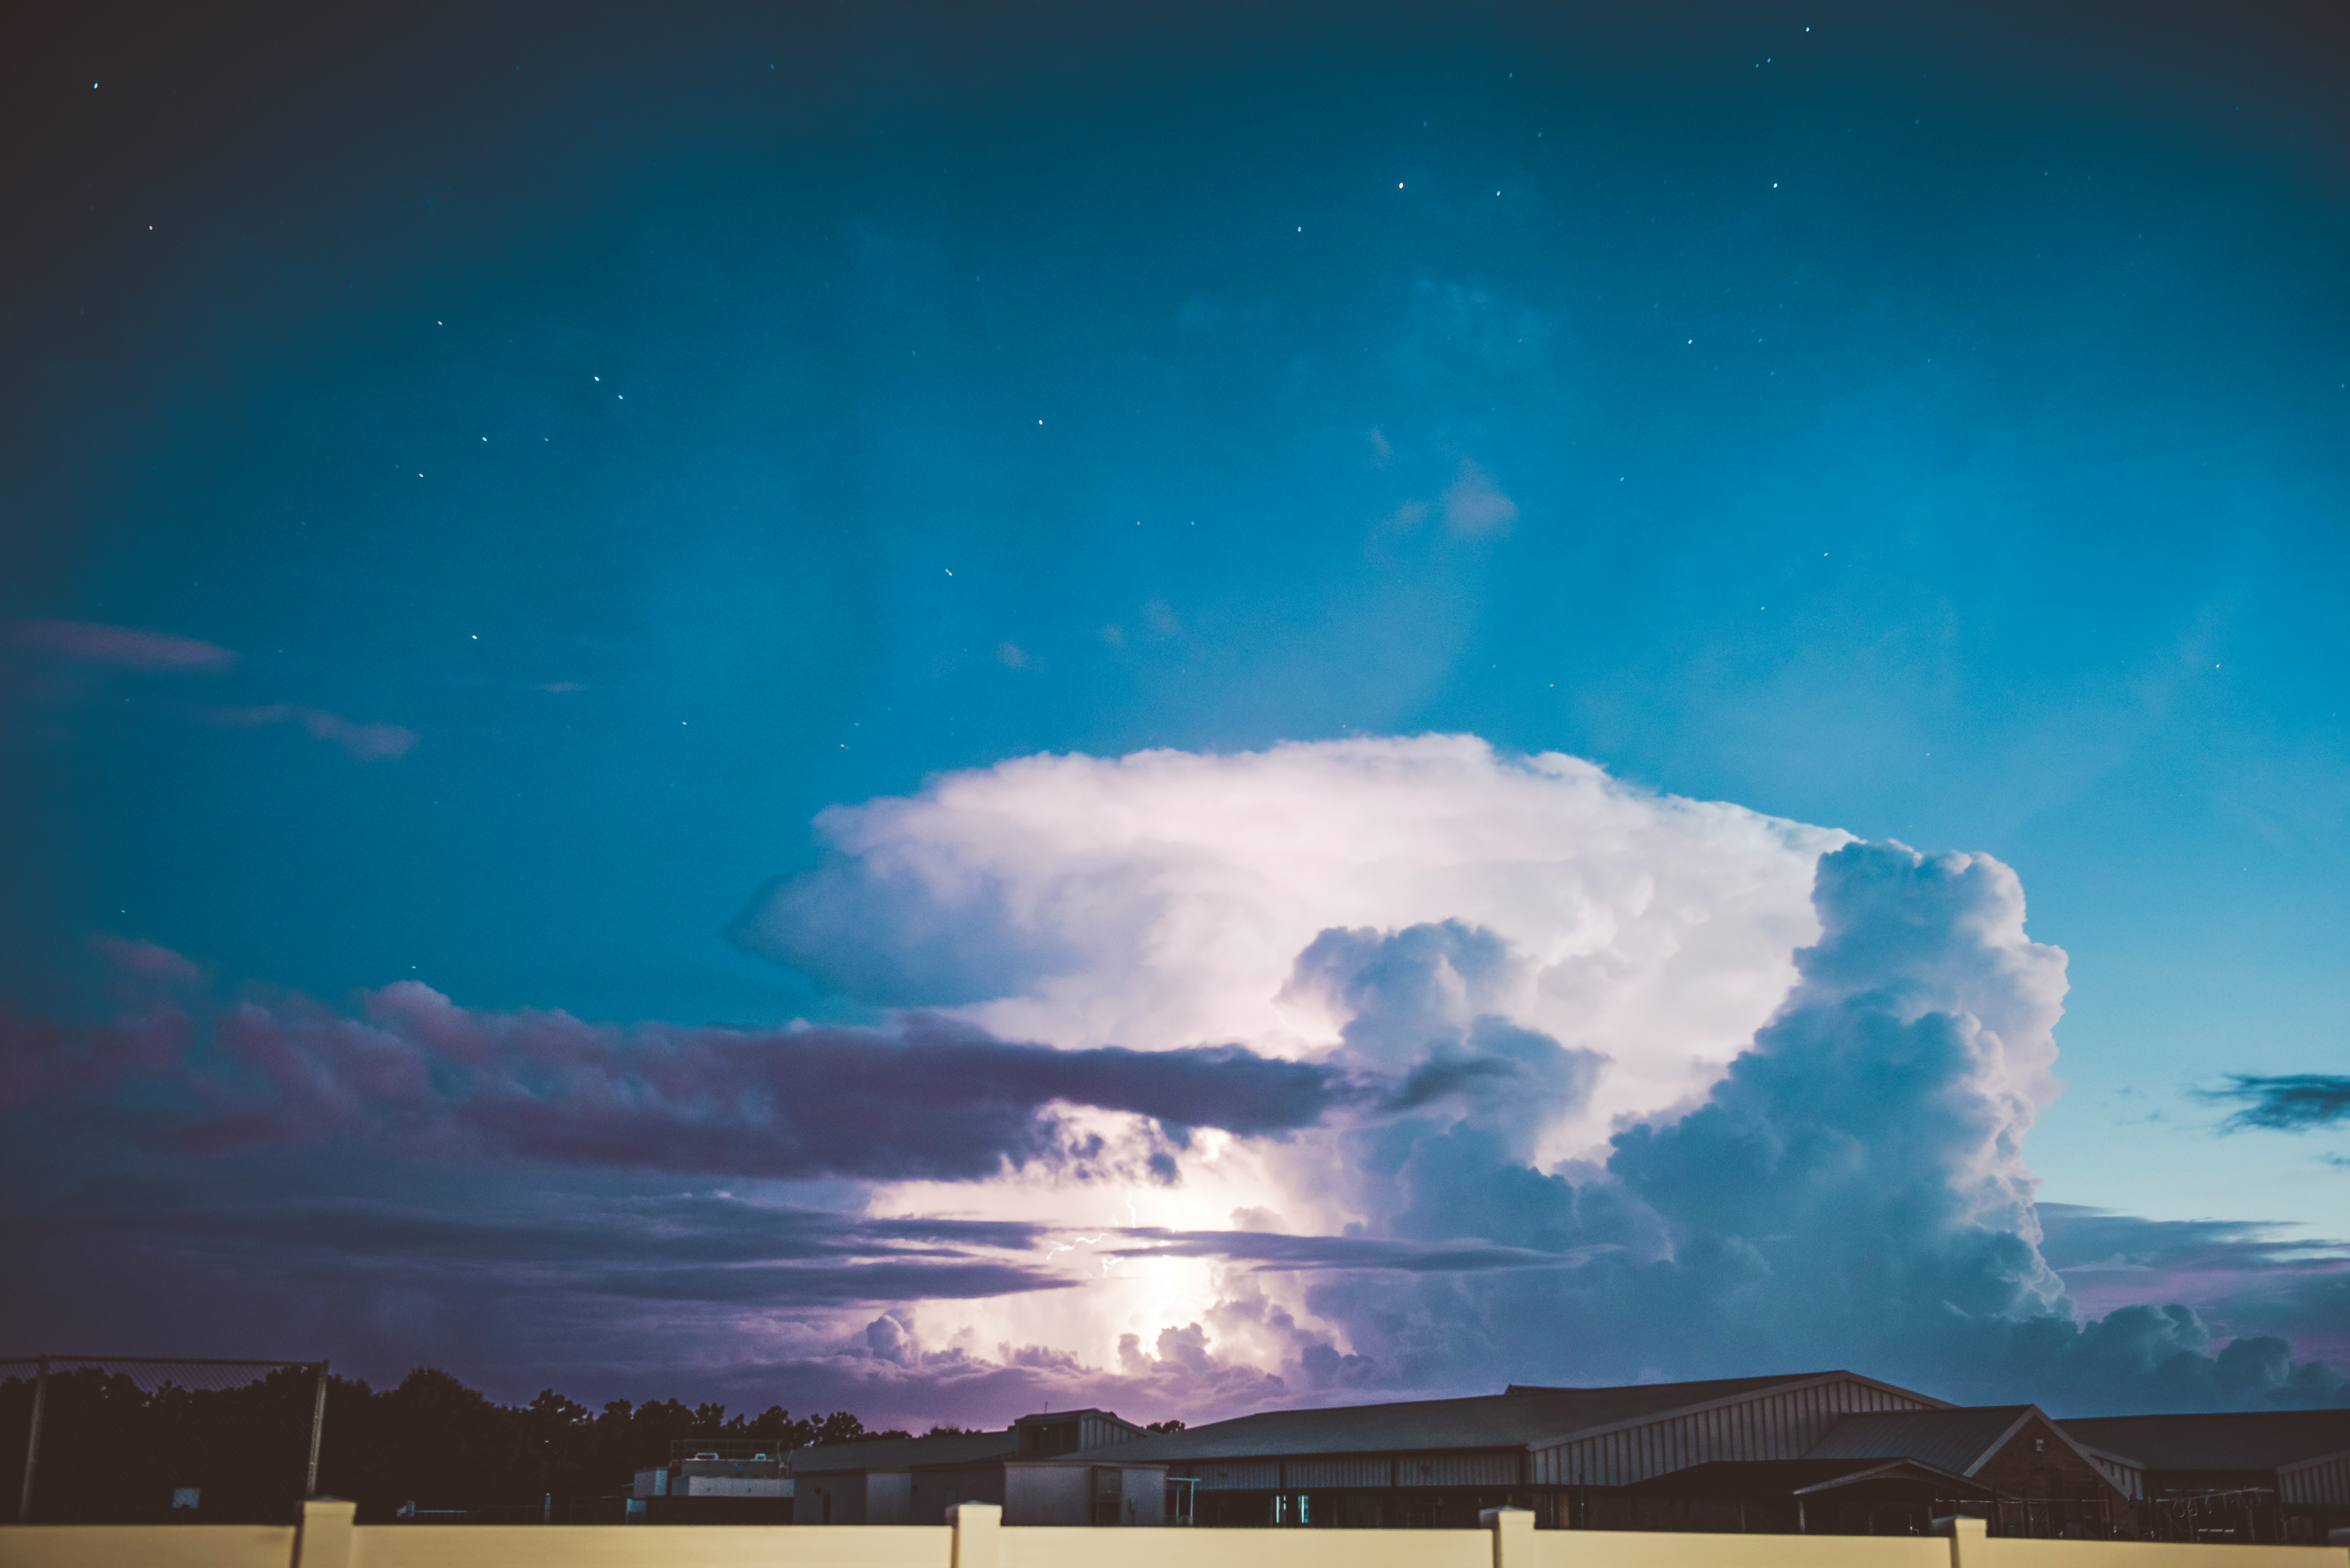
[1163, 900]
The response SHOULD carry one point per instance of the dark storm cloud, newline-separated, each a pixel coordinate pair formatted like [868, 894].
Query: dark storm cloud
[788, 1286]
[1275, 1254]
[1433, 1080]
[929, 1099]
[679, 1231]
[596, 1276]
[1852, 1191]
[2294, 1102]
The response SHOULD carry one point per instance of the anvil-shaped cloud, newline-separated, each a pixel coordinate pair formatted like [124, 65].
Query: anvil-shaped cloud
[1164, 899]
[1677, 1088]
[1388, 1065]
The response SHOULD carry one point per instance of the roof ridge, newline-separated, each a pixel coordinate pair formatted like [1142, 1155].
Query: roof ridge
[1813, 1378]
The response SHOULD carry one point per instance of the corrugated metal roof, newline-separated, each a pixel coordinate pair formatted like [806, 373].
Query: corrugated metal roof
[1787, 1477]
[898, 1453]
[1952, 1439]
[1520, 1419]
[2237, 1441]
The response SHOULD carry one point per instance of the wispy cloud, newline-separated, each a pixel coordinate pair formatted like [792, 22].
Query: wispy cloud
[368, 743]
[2290, 1102]
[119, 647]
[147, 960]
[1475, 507]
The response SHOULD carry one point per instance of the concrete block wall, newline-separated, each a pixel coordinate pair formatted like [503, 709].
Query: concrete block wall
[977, 1538]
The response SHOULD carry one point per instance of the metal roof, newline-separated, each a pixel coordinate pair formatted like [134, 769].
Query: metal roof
[1808, 1476]
[1523, 1417]
[902, 1453]
[1954, 1440]
[1044, 1417]
[2237, 1440]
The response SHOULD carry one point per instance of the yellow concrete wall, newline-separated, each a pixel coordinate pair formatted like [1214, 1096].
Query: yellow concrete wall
[1080, 1546]
[146, 1545]
[649, 1546]
[1661, 1549]
[2025, 1554]
[1053, 1546]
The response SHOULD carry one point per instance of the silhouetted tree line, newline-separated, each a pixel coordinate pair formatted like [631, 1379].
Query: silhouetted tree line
[110, 1450]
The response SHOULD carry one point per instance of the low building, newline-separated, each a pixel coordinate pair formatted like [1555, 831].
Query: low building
[1797, 1497]
[2046, 1482]
[715, 1481]
[1047, 1469]
[1827, 1452]
[1438, 1463]
[2254, 1476]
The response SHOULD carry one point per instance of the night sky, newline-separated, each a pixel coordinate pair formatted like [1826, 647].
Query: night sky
[944, 708]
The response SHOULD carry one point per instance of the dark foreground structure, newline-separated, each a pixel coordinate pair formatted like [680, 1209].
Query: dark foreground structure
[2251, 1476]
[1830, 1452]
[1819, 1453]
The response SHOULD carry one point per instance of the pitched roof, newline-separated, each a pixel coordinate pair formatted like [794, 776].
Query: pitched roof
[1954, 1440]
[1523, 1417]
[2234, 1440]
[901, 1453]
[1808, 1476]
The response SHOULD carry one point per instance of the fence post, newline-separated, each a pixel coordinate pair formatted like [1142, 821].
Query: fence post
[33, 1442]
[318, 1426]
[978, 1542]
[323, 1539]
[1513, 1535]
[1969, 1541]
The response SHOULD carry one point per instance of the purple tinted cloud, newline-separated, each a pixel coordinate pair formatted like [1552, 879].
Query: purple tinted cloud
[413, 1071]
[145, 961]
[119, 647]
[40, 1059]
[2237, 1272]
[368, 743]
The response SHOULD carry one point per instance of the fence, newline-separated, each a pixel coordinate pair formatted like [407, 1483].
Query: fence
[326, 1539]
[92, 1439]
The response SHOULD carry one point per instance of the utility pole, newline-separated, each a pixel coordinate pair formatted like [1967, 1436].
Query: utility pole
[318, 1426]
[32, 1443]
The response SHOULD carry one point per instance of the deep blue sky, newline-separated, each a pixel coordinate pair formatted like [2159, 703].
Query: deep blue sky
[1932, 422]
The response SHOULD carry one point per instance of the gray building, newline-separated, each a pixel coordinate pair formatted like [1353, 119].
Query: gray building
[1824, 1452]
[1436, 1462]
[725, 1480]
[2253, 1476]
[2039, 1479]
[1055, 1468]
